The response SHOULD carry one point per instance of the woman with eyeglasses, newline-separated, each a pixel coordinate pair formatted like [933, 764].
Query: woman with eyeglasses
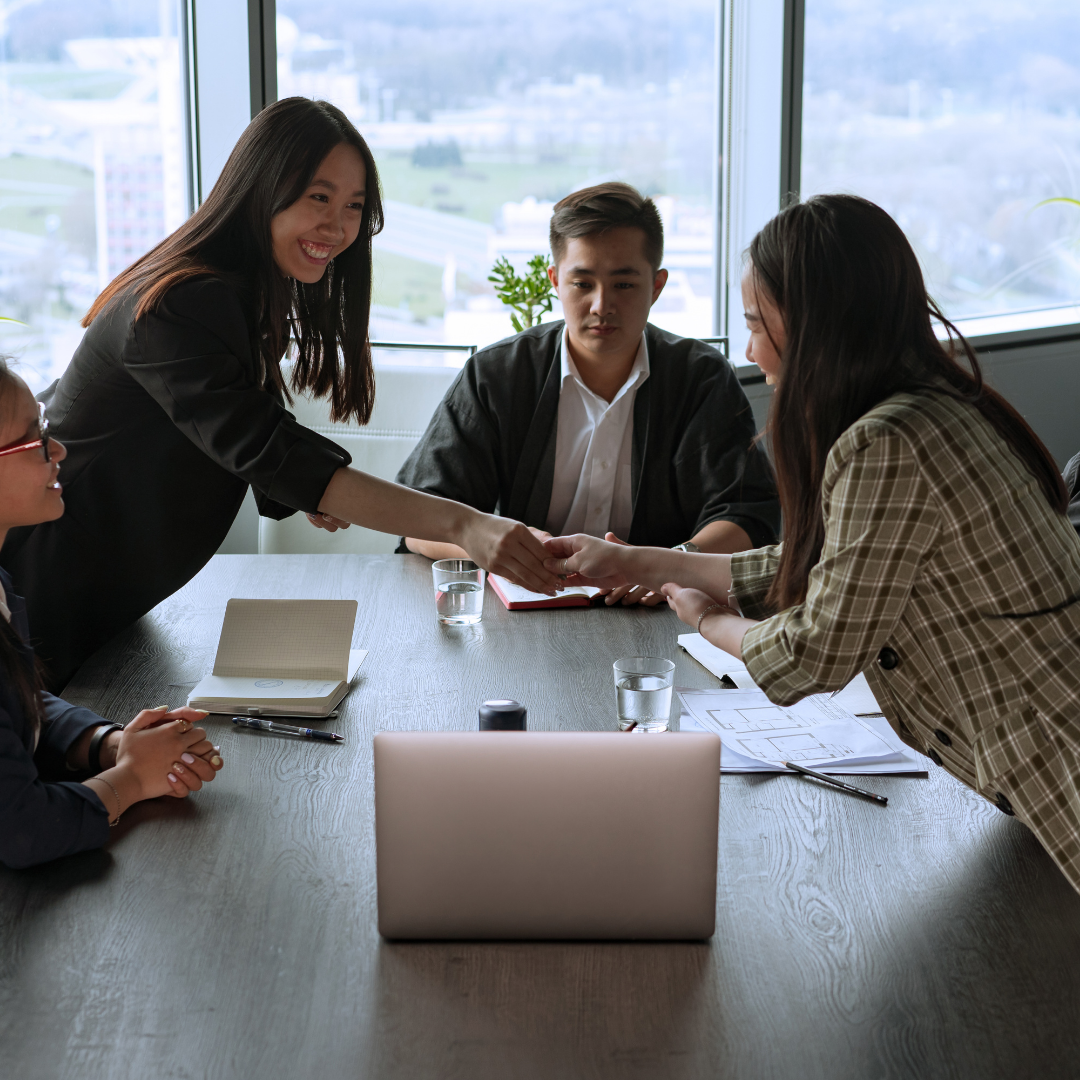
[67, 774]
[925, 536]
[175, 401]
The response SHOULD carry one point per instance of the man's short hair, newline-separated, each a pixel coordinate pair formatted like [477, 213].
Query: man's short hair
[607, 206]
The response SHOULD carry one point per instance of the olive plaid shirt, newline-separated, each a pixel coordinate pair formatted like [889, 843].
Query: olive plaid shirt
[936, 537]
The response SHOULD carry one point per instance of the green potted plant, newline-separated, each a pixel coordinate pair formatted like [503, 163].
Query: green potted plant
[529, 296]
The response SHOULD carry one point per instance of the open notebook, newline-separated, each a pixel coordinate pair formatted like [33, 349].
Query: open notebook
[282, 658]
[518, 599]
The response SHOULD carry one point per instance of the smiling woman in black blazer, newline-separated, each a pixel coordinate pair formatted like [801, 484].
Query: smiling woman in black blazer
[175, 402]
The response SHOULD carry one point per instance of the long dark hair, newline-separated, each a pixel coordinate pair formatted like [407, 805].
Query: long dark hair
[858, 321]
[271, 165]
[23, 676]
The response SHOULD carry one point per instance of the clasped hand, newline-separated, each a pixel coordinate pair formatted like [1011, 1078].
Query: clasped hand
[167, 757]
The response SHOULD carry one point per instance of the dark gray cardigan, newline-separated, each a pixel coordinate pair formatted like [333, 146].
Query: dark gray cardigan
[491, 442]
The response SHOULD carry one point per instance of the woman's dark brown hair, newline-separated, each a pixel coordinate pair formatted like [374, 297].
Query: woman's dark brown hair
[270, 167]
[858, 322]
[22, 672]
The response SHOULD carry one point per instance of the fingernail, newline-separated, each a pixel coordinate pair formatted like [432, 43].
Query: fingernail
[187, 759]
[216, 761]
[217, 749]
[172, 779]
[201, 712]
[179, 768]
[157, 707]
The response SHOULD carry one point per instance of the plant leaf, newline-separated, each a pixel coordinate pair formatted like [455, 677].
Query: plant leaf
[1058, 199]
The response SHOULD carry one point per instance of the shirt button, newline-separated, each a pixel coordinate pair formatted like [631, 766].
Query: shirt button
[603, 464]
[943, 737]
[933, 755]
[888, 659]
[1004, 805]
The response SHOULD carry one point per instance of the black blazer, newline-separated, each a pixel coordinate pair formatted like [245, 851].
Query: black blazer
[491, 442]
[40, 821]
[165, 426]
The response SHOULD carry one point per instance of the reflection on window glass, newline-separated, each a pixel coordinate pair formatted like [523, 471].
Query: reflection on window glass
[91, 161]
[481, 115]
[959, 119]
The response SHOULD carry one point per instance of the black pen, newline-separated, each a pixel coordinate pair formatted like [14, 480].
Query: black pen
[836, 783]
[286, 729]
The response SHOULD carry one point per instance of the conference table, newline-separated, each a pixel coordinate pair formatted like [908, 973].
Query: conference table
[233, 934]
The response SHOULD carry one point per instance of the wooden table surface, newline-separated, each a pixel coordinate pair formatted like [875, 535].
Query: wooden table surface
[233, 935]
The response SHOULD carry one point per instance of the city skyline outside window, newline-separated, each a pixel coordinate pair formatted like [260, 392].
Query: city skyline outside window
[482, 115]
[92, 161]
[959, 119]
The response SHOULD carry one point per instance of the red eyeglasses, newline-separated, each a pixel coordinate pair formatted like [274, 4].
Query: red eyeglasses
[40, 443]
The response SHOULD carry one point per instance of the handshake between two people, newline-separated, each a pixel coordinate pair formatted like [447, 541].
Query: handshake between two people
[697, 586]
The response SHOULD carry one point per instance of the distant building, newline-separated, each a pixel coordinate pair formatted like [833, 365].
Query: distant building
[129, 188]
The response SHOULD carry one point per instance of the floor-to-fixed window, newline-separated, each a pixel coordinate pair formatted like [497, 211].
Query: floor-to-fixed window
[961, 119]
[92, 161]
[482, 115]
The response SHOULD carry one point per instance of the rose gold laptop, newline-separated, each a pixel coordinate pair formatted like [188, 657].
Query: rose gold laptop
[508, 834]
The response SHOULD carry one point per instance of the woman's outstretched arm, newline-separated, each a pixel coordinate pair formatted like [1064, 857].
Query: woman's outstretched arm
[586, 560]
[498, 544]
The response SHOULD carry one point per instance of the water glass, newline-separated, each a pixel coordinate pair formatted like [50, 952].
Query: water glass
[643, 692]
[459, 592]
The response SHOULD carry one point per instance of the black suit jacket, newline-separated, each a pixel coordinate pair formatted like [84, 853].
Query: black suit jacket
[39, 820]
[166, 425]
[491, 442]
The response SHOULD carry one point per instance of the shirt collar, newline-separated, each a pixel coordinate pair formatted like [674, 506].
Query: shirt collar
[638, 373]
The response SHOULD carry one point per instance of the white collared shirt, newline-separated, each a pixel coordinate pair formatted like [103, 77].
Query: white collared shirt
[594, 442]
[5, 611]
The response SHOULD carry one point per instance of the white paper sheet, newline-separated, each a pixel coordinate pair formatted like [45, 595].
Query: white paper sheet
[757, 736]
[856, 697]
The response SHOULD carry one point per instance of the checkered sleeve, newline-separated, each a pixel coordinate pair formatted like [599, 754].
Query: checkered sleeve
[880, 520]
[752, 573]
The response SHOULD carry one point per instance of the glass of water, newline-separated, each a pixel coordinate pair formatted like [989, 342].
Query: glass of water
[459, 592]
[643, 692]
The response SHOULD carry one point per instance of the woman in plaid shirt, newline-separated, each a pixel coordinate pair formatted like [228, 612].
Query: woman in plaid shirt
[925, 535]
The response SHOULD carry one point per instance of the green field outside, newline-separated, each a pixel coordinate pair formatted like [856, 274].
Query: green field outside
[56, 82]
[32, 189]
[406, 283]
[477, 189]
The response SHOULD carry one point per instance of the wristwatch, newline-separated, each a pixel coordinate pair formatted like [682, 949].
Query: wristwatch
[688, 546]
[93, 751]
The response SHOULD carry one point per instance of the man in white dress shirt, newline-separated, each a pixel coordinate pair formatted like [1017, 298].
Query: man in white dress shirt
[602, 424]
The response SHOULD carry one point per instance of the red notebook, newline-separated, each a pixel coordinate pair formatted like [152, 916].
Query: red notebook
[518, 599]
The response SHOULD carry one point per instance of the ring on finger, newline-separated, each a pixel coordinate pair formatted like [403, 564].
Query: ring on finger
[185, 725]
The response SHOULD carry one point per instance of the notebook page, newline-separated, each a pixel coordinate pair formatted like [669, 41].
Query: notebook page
[515, 594]
[286, 639]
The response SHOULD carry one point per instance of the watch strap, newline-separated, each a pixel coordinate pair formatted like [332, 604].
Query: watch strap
[93, 751]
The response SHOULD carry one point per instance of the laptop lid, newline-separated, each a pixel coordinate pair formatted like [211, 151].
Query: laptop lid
[508, 834]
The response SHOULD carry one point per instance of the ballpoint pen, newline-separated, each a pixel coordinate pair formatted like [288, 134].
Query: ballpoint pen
[882, 799]
[286, 729]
